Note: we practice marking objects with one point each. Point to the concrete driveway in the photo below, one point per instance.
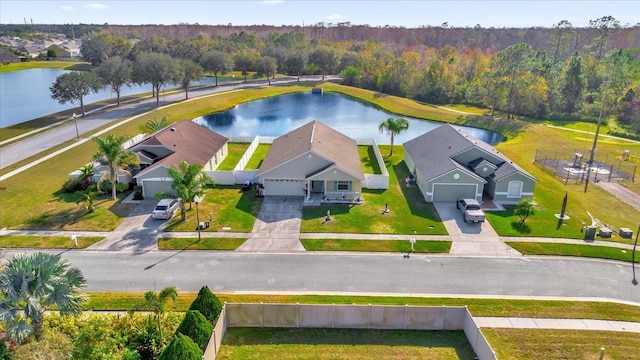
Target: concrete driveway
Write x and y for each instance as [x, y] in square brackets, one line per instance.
[469, 238]
[138, 233]
[277, 227]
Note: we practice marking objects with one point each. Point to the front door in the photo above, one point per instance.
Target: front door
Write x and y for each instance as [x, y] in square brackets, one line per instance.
[317, 186]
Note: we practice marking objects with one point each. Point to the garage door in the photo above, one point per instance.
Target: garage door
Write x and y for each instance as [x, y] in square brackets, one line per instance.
[151, 187]
[283, 187]
[453, 192]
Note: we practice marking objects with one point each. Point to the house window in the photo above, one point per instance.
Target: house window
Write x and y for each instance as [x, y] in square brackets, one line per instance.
[515, 189]
[215, 158]
[344, 185]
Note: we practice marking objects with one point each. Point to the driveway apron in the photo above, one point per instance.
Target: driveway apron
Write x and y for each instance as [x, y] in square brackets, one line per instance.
[277, 228]
[471, 239]
[138, 233]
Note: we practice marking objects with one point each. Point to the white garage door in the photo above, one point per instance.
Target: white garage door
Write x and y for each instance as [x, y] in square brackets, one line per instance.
[283, 187]
[453, 192]
[151, 187]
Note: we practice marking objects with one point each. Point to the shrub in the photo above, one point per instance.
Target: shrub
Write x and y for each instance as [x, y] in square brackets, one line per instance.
[105, 187]
[196, 326]
[73, 185]
[208, 304]
[183, 348]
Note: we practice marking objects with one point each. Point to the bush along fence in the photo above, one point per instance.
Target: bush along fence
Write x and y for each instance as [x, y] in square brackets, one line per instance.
[349, 317]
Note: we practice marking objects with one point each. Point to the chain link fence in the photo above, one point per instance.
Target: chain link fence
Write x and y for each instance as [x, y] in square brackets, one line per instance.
[573, 165]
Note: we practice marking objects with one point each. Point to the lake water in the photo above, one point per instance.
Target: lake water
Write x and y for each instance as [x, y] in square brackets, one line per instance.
[25, 95]
[359, 120]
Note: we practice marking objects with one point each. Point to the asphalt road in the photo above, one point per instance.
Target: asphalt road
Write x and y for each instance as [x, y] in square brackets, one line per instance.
[36, 144]
[357, 273]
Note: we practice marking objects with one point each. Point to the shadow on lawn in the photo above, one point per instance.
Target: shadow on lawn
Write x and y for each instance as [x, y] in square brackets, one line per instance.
[308, 336]
[413, 197]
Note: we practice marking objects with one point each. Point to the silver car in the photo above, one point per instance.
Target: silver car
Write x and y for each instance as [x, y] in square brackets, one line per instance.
[165, 209]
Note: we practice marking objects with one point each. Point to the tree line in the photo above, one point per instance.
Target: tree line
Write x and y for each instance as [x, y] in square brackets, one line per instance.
[518, 80]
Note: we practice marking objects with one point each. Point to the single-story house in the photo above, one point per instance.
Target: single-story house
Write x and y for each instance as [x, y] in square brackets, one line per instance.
[313, 159]
[181, 141]
[448, 164]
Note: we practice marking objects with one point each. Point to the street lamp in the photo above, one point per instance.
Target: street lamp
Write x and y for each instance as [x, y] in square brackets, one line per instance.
[74, 116]
[197, 200]
[595, 138]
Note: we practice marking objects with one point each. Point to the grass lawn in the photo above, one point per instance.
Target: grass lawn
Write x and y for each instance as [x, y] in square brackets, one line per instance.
[69, 65]
[550, 190]
[368, 158]
[421, 246]
[593, 251]
[258, 156]
[230, 207]
[265, 343]
[478, 307]
[548, 344]
[203, 244]
[408, 211]
[47, 242]
[235, 152]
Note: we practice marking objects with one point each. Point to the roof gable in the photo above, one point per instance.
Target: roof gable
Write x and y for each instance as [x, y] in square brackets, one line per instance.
[186, 140]
[430, 151]
[317, 138]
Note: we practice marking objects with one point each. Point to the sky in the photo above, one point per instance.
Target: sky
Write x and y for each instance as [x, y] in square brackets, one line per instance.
[399, 13]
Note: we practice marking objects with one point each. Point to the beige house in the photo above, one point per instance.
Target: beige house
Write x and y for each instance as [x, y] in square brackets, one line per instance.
[182, 141]
[313, 160]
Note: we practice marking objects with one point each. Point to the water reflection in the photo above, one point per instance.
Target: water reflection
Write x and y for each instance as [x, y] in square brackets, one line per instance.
[277, 115]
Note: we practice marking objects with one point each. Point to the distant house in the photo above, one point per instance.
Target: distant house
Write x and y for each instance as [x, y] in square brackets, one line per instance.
[313, 159]
[181, 141]
[7, 57]
[448, 164]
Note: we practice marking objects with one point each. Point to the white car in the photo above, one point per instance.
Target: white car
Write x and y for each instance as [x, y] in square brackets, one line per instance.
[165, 209]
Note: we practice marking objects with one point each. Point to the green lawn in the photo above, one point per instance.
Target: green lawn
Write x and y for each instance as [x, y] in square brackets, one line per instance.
[548, 344]
[592, 251]
[408, 211]
[549, 190]
[258, 156]
[47, 242]
[369, 161]
[421, 246]
[69, 65]
[203, 244]
[278, 343]
[235, 152]
[230, 207]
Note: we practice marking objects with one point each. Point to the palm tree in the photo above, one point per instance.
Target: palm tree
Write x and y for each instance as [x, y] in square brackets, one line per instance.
[88, 196]
[35, 283]
[112, 155]
[156, 303]
[188, 181]
[393, 127]
[155, 124]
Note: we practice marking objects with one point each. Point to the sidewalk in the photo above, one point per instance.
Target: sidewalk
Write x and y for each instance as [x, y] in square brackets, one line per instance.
[561, 324]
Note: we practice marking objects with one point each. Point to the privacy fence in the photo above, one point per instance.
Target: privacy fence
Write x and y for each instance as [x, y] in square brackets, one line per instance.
[349, 317]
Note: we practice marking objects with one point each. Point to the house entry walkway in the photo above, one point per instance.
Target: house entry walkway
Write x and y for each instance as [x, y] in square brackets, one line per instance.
[277, 227]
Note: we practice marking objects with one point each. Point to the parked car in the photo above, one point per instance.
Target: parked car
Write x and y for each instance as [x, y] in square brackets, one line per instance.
[165, 209]
[471, 210]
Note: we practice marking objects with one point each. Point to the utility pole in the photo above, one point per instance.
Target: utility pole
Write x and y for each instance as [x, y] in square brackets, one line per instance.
[595, 138]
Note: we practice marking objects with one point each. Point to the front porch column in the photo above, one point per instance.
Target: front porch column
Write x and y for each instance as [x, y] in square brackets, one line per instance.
[308, 189]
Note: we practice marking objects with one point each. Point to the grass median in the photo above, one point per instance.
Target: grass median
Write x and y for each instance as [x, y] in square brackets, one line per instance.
[403, 246]
[204, 243]
[559, 249]
[46, 242]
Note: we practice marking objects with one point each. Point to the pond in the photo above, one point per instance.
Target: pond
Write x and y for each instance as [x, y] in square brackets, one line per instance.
[359, 120]
[26, 95]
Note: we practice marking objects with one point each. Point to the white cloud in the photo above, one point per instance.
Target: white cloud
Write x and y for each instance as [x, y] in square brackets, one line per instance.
[335, 17]
[272, 2]
[66, 8]
[96, 6]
